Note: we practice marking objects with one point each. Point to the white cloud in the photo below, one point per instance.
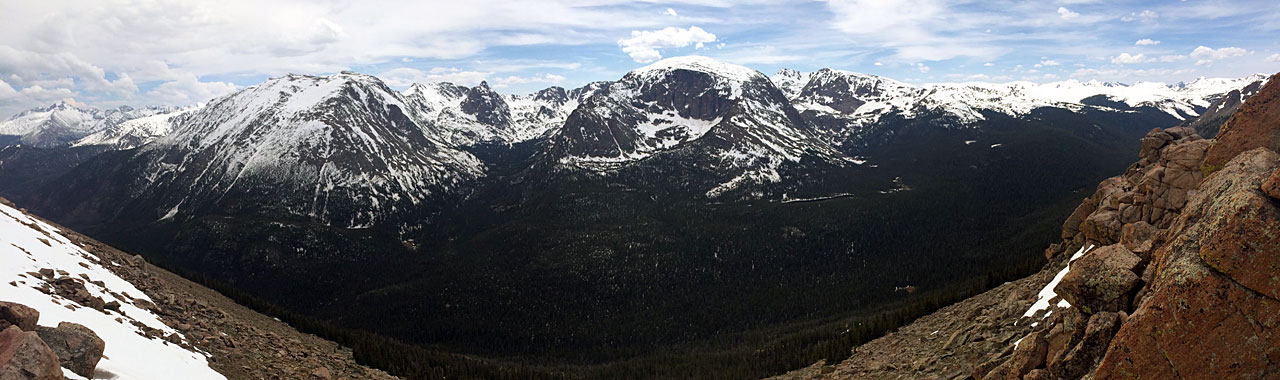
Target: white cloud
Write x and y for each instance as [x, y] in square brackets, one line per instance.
[1205, 55]
[1274, 58]
[1126, 59]
[544, 78]
[1067, 14]
[922, 67]
[1144, 16]
[988, 64]
[643, 46]
[1147, 41]
[187, 89]
[1048, 62]
[916, 30]
[879, 64]
[671, 12]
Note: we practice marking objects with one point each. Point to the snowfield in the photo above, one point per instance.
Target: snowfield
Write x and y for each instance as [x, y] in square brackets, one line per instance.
[28, 245]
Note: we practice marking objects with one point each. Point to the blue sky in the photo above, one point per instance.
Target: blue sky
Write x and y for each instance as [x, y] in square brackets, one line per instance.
[109, 53]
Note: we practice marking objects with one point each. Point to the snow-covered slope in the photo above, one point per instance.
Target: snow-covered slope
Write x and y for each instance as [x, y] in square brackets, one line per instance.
[862, 99]
[28, 245]
[343, 148]
[135, 132]
[731, 116]
[468, 116]
[65, 122]
[791, 82]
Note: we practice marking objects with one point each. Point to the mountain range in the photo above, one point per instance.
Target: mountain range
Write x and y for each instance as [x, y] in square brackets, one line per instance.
[688, 199]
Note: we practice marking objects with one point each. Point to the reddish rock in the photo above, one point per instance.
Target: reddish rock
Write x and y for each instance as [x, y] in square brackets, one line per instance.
[1271, 187]
[1101, 280]
[1211, 311]
[16, 314]
[78, 348]
[24, 356]
[1084, 356]
[1027, 356]
[1138, 237]
[1152, 142]
[1253, 125]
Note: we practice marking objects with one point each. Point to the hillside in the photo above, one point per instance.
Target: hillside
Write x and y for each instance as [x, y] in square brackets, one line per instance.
[1171, 277]
[152, 323]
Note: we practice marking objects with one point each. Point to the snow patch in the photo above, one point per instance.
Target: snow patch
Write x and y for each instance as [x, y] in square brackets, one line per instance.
[1046, 294]
[28, 245]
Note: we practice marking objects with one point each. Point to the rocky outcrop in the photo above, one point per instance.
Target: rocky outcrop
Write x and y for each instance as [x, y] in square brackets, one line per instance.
[1212, 309]
[1149, 194]
[78, 348]
[24, 356]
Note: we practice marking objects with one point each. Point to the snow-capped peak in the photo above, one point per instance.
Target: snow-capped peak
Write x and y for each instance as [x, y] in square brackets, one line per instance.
[707, 65]
[67, 121]
[790, 81]
[135, 132]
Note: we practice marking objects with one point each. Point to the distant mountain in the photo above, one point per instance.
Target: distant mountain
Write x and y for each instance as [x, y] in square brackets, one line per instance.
[135, 132]
[852, 109]
[469, 116]
[343, 149]
[728, 119]
[65, 122]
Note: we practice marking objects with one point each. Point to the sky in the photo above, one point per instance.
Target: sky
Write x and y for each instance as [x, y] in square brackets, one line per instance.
[108, 53]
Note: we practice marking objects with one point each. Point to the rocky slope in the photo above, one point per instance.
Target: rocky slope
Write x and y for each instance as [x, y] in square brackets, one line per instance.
[1172, 277]
[119, 317]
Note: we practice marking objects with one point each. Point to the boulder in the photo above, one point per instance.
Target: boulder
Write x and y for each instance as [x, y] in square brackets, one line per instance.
[1084, 356]
[1211, 309]
[1152, 142]
[1027, 356]
[1101, 280]
[1182, 132]
[16, 314]
[78, 348]
[1271, 187]
[1071, 226]
[1186, 155]
[24, 356]
[1138, 237]
[1102, 227]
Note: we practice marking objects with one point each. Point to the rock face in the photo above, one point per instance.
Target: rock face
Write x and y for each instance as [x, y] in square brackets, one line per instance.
[24, 356]
[14, 314]
[1252, 126]
[1101, 280]
[78, 347]
[1213, 307]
